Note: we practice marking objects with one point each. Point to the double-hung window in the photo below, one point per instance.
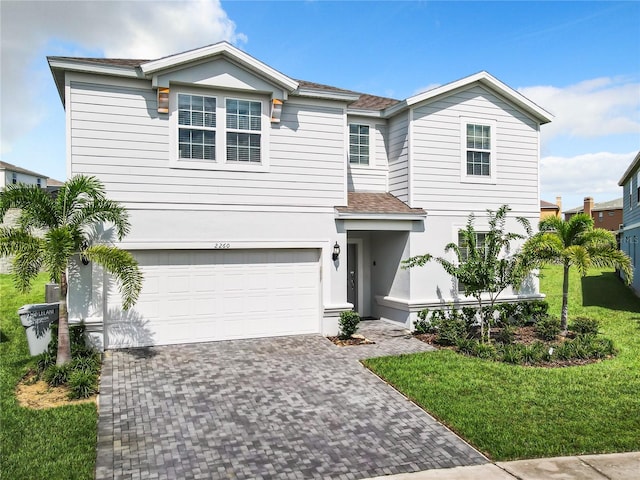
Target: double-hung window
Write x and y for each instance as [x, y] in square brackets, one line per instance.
[243, 130]
[478, 150]
[196, 127]
[358, 144]
[638, 187]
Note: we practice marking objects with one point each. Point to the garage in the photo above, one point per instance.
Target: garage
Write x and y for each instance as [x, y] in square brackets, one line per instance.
[205, 295]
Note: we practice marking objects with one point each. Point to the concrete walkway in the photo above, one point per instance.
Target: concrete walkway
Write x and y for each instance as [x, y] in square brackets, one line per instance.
[615, 466]
[287, 408]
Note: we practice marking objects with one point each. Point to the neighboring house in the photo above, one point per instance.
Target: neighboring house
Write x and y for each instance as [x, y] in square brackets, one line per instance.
[607, 215]
[630, 231]
[262, 205]
[548, 209]
[12, 174]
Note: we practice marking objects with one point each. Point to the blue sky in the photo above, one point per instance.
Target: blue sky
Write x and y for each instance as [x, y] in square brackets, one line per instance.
[578, 60]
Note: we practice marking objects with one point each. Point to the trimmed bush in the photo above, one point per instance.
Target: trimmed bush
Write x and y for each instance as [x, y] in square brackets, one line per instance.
[535, 353]
[348, 324]
[534, 310]
[506, 335]
[548, 328]
[466, 345]
[450, 330]
[512, 353]
[82, 384]
[484, 350]
[585, 326]
[422, 325]
[57, 375]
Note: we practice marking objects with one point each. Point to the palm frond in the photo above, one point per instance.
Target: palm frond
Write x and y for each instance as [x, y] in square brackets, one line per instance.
[102, 210]
[37, 208]
[76, 193]
[123, 266]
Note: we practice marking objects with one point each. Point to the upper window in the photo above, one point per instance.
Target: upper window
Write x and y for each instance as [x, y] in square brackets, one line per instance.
[39, 182]
[478, 150]
[358, 144]
[197, 127]
[14, 178]
[243, 130]
[638, 187]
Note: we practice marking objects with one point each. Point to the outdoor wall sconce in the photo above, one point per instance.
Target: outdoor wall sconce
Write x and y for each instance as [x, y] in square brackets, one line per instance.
[336, 252]
[276, 110]
[163, 100]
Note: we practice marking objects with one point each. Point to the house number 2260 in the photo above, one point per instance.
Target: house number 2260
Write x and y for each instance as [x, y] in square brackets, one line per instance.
[221, 245]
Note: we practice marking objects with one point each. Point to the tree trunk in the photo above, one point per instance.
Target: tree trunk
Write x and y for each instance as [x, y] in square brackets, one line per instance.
[565, 300]
[64, 344]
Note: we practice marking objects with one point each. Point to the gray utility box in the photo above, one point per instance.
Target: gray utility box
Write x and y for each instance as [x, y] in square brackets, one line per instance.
[37, 319]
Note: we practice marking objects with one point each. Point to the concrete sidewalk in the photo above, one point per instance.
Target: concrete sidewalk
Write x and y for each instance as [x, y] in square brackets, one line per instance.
[615, 466]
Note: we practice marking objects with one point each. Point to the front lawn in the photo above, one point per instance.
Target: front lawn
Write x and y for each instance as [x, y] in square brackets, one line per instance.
[56, 443]
[510, 412]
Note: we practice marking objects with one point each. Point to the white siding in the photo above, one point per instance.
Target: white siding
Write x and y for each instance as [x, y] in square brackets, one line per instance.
[117, 134]
[398, 156]
[436, 181]
[372, 177]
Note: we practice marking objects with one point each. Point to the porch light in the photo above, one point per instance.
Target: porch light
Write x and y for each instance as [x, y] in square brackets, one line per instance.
[276, 110]
[336, 252]
[163, 100]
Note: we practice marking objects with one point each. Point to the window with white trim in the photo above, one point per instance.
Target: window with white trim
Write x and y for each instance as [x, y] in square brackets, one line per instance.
[478, 150]
[359, 143]
[196, 127]
[14, 178]
[638, 186]
[39, 182]
[244, 127]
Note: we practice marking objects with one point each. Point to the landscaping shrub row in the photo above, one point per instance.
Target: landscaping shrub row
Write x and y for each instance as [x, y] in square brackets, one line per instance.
[459, 328]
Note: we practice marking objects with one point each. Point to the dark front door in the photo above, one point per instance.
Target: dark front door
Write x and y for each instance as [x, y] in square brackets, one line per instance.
[352, 275]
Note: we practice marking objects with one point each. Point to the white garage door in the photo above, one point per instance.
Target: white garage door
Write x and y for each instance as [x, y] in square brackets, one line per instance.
[197, 296]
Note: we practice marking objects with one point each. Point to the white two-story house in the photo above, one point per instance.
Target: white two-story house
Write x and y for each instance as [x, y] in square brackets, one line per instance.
[262, 205]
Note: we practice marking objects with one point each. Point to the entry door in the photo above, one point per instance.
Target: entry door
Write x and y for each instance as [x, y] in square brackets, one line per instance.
[352, 275]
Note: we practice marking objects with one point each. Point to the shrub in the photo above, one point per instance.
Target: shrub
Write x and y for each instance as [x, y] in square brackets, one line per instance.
[508, 313]
[422, 325]
[512, 353]
[548, 328]
[484, 350]
[57, 375]
[506, 335]
[88, 364]
[602, 347]
[470, 316]
[44, 361]
[585, 326]
[82, 384]
[348, 324]
[534, 353]
[534, 310]
[450, 330]
[466, 345]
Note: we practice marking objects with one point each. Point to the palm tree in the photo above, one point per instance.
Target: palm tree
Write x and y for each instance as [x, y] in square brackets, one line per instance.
[67, 221]
[575, 242]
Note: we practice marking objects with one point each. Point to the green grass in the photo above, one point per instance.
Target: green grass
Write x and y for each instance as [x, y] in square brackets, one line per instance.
[56, 443]
[511, 412]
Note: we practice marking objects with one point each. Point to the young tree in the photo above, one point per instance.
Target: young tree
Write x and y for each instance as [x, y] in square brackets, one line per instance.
[484, 263]
[67, 221]
[575, 242]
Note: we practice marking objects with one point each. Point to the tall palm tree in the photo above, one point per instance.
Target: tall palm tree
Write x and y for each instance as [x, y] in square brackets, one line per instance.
[575, 242]
[67, 221]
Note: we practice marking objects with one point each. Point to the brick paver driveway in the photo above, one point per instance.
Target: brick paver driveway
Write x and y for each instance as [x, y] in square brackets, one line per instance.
[291, 407]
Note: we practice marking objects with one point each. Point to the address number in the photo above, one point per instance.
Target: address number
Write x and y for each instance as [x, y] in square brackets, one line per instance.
[221, 245]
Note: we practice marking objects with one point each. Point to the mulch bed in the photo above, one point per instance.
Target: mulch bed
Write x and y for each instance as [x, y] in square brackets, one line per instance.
[354, 340]
[524, 335]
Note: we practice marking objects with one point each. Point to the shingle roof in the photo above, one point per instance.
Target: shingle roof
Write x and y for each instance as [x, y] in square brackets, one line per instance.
[14, 168]
[548, 205]
[370, 202]
[365, 102]
[610, 205]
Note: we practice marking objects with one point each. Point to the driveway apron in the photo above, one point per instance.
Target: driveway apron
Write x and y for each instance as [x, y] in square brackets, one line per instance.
[290, 407]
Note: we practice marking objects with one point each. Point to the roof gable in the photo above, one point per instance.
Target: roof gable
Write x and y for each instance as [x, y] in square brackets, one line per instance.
[630, 170]
[483, 79]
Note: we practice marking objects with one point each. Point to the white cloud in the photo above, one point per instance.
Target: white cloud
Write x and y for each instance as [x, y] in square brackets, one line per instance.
[594, 174]
[589, 109]
[127, 29]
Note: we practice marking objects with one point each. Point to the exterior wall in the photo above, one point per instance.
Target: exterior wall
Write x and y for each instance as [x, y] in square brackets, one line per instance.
[630, 235]
[610, 219]
[372, 177]
[546, 213]
[117, 135]
[399, 156]
[629, 244]
[436, 182]
[7, 179]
